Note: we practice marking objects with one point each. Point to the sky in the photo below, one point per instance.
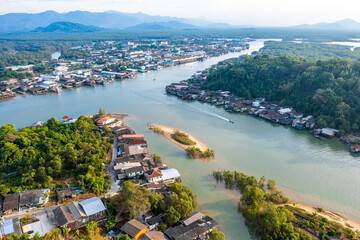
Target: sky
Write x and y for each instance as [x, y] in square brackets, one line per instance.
[240, 12]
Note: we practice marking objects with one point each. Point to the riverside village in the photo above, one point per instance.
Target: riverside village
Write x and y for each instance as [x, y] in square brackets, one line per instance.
[130, 166]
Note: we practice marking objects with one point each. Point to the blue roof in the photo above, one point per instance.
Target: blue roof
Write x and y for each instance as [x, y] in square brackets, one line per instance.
[8, 227]
[92, 206]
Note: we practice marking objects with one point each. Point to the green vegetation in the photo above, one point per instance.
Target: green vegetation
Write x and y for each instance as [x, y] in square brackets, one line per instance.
[308, 51]
[182, 204]
[197, 153]
[182, 138]
[7, 74]
[268, 220]
[326, 89]
[133, 199]
[216, 235]
[33, 157]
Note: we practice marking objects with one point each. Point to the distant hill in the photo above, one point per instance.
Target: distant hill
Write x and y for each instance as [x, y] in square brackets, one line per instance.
[67, 27]
[24, 22]
[170, 25]
[346, 24]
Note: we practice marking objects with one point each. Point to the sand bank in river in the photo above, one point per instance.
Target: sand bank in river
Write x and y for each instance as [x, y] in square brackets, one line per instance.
[167, 131]
[329, 215]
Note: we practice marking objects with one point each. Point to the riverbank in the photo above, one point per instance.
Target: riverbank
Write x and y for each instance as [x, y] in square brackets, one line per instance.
[167, 132]
[347, 223]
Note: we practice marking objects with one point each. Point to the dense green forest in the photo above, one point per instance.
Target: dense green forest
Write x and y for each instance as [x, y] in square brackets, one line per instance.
[327, 89]
[38, 157]
[268, 219]
[313, 51]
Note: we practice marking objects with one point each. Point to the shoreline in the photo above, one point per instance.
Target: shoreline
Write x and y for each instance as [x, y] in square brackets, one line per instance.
[332, 216]
[167, 131]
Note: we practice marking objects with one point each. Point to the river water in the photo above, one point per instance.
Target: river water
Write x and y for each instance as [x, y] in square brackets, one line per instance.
[310, 171]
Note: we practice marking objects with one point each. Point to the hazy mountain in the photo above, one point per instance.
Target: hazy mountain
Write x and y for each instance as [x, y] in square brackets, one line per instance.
[346, 24]
[170, 25]
[67, 27]
[20, 22]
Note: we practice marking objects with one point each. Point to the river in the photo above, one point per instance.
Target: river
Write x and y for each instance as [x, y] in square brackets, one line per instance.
[310, 171]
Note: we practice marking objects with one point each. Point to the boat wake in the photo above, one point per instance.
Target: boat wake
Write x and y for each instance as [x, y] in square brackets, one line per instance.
[191, 109]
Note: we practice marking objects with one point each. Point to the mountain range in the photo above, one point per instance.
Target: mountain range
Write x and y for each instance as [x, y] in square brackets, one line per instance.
[24, 22]
[84, 21]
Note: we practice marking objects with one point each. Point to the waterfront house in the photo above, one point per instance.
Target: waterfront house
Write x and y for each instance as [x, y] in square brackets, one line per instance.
[355, 148]
[65, 194]
[134, 229]
[197, 229]
[329, 132]
[154, 175]
[171, 174]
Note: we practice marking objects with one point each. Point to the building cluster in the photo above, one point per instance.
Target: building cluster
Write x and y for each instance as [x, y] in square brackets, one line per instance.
[134, 163]
[24, 200]
[71, 216]
[192, 90]
[102, 62]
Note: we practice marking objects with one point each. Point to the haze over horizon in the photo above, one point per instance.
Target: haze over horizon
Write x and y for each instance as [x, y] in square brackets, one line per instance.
[256, 12]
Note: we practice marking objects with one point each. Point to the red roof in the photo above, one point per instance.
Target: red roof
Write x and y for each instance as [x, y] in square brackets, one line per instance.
[138, 142]
[156, 173]
[133, 136]
[66, 117]
[356, 146]
[102, 120]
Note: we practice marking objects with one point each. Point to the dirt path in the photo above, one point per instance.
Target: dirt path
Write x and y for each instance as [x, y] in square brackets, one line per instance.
[167, 134]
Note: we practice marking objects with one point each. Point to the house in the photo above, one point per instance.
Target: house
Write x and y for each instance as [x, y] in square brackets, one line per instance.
[63, 216]
[283, 111]
[329, 132]
[64, 194]
[11, 203]
[105, 120]
[153, 235]
[34, 197]
[310, 123]
[154, 222]
[170, 174]
[134, 228]
[154, 175]
[94, 208]
[136, 149]
[192, 218]
[355, 148]
[197, 229]
[78, 214]
[133, 172]
[11, 227]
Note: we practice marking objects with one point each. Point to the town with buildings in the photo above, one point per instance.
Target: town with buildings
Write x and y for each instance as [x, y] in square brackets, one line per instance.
[100, 63]
[192, 89]
[40, 211]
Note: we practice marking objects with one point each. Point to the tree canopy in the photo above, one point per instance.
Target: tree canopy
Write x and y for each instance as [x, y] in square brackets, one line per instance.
[34, 157]
[326, 89]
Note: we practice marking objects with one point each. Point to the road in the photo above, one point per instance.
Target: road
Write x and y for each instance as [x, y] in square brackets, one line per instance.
[114, 185]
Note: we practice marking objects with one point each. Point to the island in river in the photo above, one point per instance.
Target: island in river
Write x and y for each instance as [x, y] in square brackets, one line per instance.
[191, 145]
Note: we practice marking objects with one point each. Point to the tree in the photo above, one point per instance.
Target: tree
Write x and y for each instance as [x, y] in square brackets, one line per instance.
[216, 235]
[157, 203]
[123, 237]
[271, 184]
[133, 200]
[172, 216]
[4, 190]
[55, 234]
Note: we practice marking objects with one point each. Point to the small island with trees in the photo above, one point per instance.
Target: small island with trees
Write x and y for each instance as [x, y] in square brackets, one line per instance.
[191, 145]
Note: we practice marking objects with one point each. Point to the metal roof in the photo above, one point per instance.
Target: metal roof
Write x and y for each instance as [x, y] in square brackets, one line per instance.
[92, 206]
[170, 174]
